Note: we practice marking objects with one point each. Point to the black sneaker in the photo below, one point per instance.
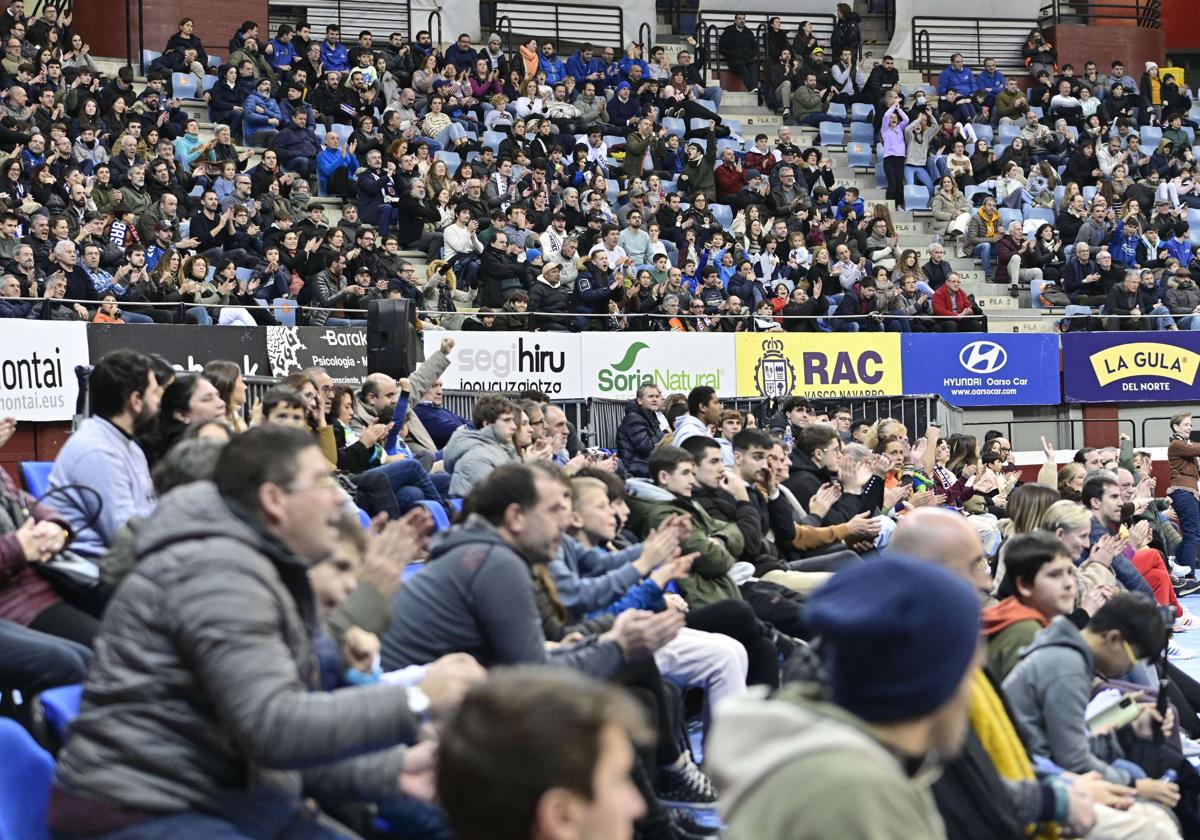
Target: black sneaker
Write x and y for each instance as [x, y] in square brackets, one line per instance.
[685, 786]
[1187, 587]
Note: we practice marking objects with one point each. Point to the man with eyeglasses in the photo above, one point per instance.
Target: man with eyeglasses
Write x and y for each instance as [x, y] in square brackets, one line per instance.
[816, 478]
[1050, 687]
[215, 627]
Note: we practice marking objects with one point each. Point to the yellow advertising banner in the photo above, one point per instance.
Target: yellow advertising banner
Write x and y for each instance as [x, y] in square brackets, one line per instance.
[819, 365]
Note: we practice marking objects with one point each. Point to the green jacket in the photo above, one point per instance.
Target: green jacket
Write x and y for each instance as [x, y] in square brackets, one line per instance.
[794, 768]
[709, 581]
[1004, 648]
[806, 101]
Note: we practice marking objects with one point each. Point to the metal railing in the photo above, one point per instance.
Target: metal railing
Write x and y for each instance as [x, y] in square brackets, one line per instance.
[380, 16]
[1068, 422]
[712, 23]
[935, 39]
[1144, 14]
[567, 25]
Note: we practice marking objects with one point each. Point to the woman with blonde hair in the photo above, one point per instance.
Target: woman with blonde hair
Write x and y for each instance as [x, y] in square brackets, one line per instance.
[226, 377]
[884, 428]
[1027, 505]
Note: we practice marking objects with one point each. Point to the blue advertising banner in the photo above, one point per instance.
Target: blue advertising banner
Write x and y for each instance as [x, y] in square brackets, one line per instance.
[1131, 366]
[983, 369]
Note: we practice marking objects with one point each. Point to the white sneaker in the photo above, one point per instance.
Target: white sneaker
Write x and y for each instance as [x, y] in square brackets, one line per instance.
[1176, 652]
[1190, 748]
[1178, 570]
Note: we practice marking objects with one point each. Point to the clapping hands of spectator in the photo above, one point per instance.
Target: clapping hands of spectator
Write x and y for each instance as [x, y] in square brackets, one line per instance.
[1139, 535]
[39, 541]
[8, 428]
[924, 498]
[825, 498]
[677, 568]
[1106, 548]
[543, 450]
[660, 546]
[374, 433]
[863, 527]
[1103, 792]
[1096, 598]
[639, 633]
[896, 495]
[392, 545]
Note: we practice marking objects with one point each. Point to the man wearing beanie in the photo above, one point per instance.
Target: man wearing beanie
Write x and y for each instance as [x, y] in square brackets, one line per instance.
[900, 640]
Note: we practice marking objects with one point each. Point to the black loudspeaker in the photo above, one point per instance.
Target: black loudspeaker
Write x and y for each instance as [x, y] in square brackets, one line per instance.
[392, 337]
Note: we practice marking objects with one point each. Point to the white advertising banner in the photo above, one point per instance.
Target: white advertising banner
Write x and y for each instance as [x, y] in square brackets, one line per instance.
[511, 361]
[614, 364]
[37, 369]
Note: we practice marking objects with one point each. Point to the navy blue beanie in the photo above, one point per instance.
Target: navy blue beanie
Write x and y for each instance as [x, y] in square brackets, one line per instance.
[899, 634]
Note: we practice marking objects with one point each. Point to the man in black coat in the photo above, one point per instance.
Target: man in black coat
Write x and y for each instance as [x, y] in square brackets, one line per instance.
[413, 212]
[500, 273]
[640, 430]
[739, 47]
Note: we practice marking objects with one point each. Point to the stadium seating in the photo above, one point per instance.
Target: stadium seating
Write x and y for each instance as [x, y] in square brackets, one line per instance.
[25, 774]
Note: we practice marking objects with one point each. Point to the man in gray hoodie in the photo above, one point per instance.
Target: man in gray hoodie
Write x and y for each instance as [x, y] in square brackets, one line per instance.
[1051, 685]
[471, 454]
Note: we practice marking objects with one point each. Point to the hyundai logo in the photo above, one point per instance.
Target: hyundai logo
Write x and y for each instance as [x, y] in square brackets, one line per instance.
[983, 357]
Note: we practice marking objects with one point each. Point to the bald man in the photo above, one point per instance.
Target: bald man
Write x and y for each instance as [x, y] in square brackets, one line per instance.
[374, 402]
[947, 539]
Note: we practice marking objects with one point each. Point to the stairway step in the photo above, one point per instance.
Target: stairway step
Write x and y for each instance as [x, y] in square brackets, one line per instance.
[1035, 323]
[747, 117]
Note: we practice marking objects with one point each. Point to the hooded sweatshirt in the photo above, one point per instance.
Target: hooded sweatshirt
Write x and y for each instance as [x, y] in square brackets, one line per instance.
[473, 453]
[796, 769]
[1009, 627]
[1049, 692]
[689, 426]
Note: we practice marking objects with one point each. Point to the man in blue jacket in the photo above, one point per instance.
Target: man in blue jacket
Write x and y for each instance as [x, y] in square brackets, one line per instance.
[583, 65]
[990, 81]
[461, 54]
[553, 66]
[957, 76]
[438, 420]
[333, 53]
[640, 430]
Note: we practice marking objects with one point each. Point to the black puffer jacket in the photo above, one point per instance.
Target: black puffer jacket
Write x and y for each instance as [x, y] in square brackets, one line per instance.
[549, 297]
[203, 684]
[637, 436]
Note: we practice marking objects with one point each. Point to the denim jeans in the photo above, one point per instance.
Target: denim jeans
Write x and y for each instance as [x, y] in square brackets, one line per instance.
[136, 318]
[34, 661]
[1188, 511]
[917, 174]
[409, 482]
[197, 315]
[984, 251]
[345, 322]
[1161, 318]
[901, 325]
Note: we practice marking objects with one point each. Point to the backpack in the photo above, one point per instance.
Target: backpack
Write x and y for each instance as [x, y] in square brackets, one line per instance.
[1054, 296]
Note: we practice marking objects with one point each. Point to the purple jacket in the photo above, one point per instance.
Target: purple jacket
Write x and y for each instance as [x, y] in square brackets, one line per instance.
[893, 136]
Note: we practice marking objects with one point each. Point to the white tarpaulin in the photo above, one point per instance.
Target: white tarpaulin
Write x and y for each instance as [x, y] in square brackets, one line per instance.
[37, 369]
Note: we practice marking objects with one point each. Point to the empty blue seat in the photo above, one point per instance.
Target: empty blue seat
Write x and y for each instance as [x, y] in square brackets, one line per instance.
[214, 61]
[1038, 112]
[861, 111]
[707, 103]
[284, 310]
[25, 775]
[1151, 137]
[728, 143]
[61, 706]
[441, 521]
[148, 56]
[858, 155]
[1193, 217]
[830, 134]
[1042, 214]
[675, 126]
[209, 81]
[493, 139]
[1060, 192]
[971, 189]
[611, 140]
[244, 273]
[983, 131]
[723, 213]
[880, 176]
[1008, 132]
[836, 110]
[37, 476]
[1088, 193]
[698, 124]
[1008, 215]
[184, 85]
[453, 160]
[862, 132]
[916, 197]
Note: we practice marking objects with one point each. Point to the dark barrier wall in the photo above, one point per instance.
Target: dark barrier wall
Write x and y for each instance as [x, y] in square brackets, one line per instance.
[104, 24]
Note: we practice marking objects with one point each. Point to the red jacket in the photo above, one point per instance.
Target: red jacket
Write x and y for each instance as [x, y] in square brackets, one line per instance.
[730, 180]
[759, 161]
[946, 303]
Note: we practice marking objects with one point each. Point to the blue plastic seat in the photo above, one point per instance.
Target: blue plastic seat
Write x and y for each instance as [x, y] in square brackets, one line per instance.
[880, 176]
[214, 61]
[441, 521]
[861, 111]
[723, 213]
[970, 190]
[342, 131]
[1151, 137]
[676, 126]
[837, 110]
[61, 706]
[25, 775]
[411, 570]
[1088, 193]
[707, 103]
[1042, 214]
[1008, 215]
[698, 124]
[148, 57]
[831, 134]
[1008, 132]
[1038, 112]
[493, 139]
[37, 476]
[983, 131]
[862, 132]
[456, 503]
[453, 160]
[184, 86]
[858, 155]
[284, 310]
[916, 197]
[208, 83]
[364, 518]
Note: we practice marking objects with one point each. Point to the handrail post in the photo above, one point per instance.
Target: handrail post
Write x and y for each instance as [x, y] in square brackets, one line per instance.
[128, 37]
[142, 36]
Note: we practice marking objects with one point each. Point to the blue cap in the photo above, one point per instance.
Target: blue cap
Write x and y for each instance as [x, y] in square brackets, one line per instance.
[899, 634]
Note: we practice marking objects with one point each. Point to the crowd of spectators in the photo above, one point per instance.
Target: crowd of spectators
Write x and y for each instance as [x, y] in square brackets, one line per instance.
[714, 552]
[597, 191]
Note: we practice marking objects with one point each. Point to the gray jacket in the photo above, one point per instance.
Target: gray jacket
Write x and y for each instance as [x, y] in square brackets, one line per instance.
[330, 293]
[473, 453]
[1049, 692]
[203, 686]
